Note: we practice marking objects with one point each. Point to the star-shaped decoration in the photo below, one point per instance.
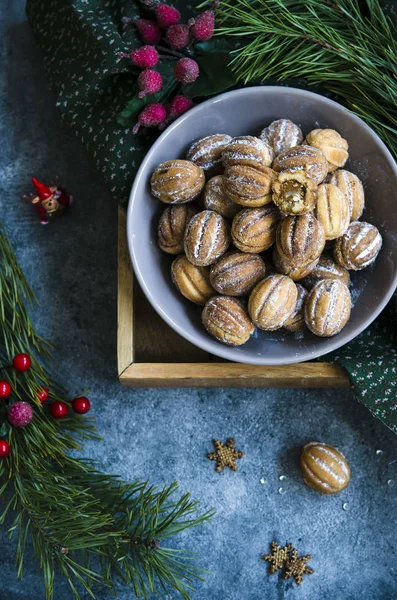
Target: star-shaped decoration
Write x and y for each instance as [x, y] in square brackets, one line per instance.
[278, 557]
[296, 566]
[225, 455]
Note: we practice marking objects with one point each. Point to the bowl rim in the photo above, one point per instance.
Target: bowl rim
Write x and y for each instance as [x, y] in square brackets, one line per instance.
[213, 346]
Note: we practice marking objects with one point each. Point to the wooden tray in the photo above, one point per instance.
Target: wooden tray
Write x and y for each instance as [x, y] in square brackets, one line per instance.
[151, 354]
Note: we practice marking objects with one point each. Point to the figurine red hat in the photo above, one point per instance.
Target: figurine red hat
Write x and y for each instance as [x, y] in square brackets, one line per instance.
[43, 191]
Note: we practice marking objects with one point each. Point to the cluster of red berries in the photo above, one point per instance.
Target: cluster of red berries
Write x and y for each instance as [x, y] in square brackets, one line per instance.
[20, 413]
[178, 36]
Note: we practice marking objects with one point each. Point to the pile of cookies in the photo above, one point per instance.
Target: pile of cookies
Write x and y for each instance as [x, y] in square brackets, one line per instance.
[249, 217]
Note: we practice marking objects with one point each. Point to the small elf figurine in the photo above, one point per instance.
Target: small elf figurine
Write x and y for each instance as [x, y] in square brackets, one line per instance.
[51, 201]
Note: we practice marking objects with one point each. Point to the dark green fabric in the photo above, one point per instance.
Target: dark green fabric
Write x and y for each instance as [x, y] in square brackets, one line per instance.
[80, 40]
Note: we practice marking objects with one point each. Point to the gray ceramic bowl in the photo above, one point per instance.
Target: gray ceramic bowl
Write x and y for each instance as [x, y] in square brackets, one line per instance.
[248, 111]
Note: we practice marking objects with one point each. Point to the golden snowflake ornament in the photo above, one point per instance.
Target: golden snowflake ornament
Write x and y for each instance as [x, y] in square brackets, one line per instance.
[225, 455]
[278, 557]
[296, 566]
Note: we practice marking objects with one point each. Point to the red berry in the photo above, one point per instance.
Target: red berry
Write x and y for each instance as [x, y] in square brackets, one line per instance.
[42, 394]
[178, 105]
[4, 448]
[167, 16]
[22, 362]
[202, 27]
[144, 57]
[152, 116]
[20, 414]
[186, 70]
[81, 405]
[5, 389]
[148, 31]
[149, 82]
[177, 36]
[59, 409]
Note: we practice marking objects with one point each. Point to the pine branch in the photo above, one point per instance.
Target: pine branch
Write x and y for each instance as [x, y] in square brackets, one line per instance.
[92, 527]
[350, 50]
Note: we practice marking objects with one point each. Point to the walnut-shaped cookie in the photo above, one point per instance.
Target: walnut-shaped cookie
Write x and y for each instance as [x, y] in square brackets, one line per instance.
[192, 281]
[324, 468]
[207, 153]
[248, 150]
[296, 322]
[216, 199]
[359, 247]
[236, 273]
[327, 307]
[248, 186]
[294, 192]
[227, 321]
[172, 226]
[207, 237]
[272, 302]
[332, 210]
[254, 229]
[326, 268]
[332, 145]
[351, 186]
[300, 240]
[177, 181]
[296, 273]
[282, 135]
[303, 158]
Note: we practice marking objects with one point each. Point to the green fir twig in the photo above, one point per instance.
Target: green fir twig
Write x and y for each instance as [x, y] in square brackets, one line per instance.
[91, 527]
[348, 47]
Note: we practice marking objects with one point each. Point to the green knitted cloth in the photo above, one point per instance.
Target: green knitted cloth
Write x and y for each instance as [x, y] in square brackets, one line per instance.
[95, 90]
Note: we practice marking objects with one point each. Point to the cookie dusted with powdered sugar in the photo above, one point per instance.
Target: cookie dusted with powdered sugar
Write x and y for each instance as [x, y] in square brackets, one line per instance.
[300, 240]
[248, 186]
[177, 181]
[254, 229]
[207, 237]
[207, 153]
[236, 273]
[326, 268]
[272, 302]
[303, 158]
[192, 281]
[351, 186]
[216, 199]
[327, 307]
[296, 322]
[226, 320]
[332, 145]
[172, 226]
[282, 135]
[248, 150]
[359, 247]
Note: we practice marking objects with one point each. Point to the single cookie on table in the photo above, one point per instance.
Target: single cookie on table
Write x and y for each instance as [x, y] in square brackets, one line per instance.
[351, 186]
[236, 273]
[216, 199]
[300, 240]
[272, 302]
[207, 237]
[324, 468]
[332, 210]
[226, 320]
[327, 307]
[303, 158]
[282, 135]
[249, 151]
[296, 322]
[192, 281]
[177, 181]
[295, 273]
[248, 186]
[359, 247]
[332, 145]
[172, 226]
[207, 152]
[294, 192]
[326, 268]
[254, 229]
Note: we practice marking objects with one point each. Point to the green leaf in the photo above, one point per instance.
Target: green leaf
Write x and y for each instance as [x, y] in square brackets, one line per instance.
[215, 75]
[4, 429]
[129, 115]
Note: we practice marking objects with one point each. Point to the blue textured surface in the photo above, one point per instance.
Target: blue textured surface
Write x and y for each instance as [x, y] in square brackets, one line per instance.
[71, 265]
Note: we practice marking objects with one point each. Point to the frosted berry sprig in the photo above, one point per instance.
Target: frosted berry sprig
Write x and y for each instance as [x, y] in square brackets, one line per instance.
[165, 37]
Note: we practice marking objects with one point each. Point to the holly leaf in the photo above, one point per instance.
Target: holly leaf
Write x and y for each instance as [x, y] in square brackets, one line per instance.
[215, 75]
[4, 429]
[129, 115]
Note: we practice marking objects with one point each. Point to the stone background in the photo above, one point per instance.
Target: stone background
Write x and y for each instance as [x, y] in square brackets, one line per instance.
[72, 267]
